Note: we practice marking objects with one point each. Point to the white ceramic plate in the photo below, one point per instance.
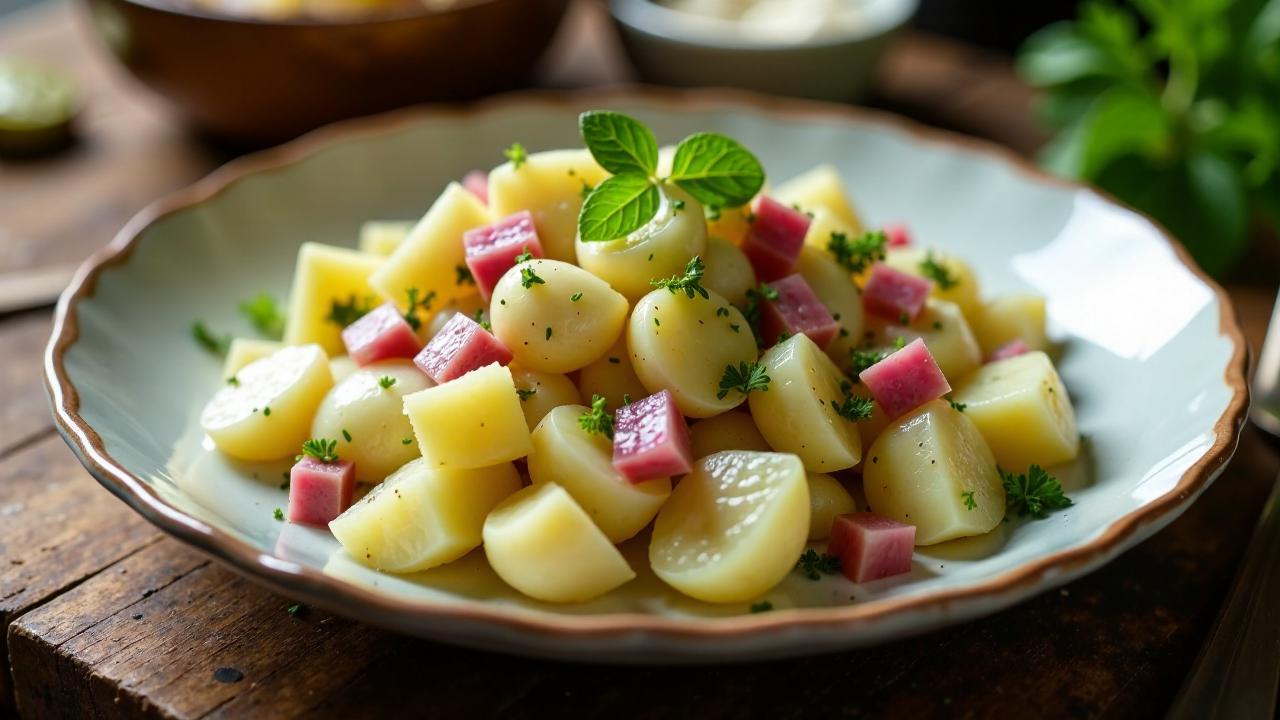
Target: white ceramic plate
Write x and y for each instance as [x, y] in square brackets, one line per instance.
[1149, 347]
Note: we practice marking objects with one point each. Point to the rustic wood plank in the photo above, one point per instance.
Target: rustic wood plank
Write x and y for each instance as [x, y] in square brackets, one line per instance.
[24, 407]
[60, 527]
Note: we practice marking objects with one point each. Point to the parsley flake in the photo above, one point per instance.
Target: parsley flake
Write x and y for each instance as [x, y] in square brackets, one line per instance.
[969, 502]
[854, 408]
[386, 381]
[549, 332]
[745, 378]
[344, 312]
[529, 278]
[857, 254]
[690, 282]
[479, 318]
[957, 406]
[814, 565]
[863, 359]
[406, 441]
[265, 316]
[575, 297]
[526, 393]
[346, 435]
[937, 272]
[326, 451]
[524, 256]
[762, 606]
[411, 315]
[233, 381]
[516, 154]
[1035, 493]
[464, 275]
[208, 340]
[278, 514]
[597, 419]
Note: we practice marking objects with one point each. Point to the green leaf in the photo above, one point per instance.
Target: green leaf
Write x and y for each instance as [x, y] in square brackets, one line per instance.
[619, 143]
[1124, 122]
[1059, 54]
[716, 170]
[617, 207]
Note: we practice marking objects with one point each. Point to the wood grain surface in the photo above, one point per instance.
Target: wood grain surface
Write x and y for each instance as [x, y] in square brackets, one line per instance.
[100, 616]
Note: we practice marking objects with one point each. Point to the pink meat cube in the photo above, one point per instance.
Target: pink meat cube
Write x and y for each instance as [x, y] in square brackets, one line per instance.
[1013, 348]
[797, 310]
[774, 241]
[460, 347]
[651, 439]
[893, 294]
[897, 235]
[381, 334]
[477, 181]
[319, 491]
[871, 547]
[492, 250]
[905, 380]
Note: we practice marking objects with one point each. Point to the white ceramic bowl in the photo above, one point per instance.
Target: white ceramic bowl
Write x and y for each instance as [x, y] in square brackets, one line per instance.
[1149, 347]
[670, 47]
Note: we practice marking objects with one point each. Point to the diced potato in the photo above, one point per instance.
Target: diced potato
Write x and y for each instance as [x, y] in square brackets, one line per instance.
[549, 185]
[932, 469]
[797, 414]
[324, 275]
[1009, 318]
[244, 351]
[683, 344]
[266, 413]
[660, 249]
[833, 286]
[545, 327]
[431, 257]
[826, 223]
[964, 292]
[821, 187]
[1022, 408]
[734, 526]
[540, 542]
[947, 335]
[359, 408]
[827, 499]
[382, 237]
[473, 421]
[734, 430]
[542, 392]
[728, 272]
[421, 517]
[612, 377]
[729, 224]
[582, 463]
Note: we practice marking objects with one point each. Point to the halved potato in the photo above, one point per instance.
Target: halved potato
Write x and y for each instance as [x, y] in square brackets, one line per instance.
[421, 516]
[372, 416]
[469, 422]
[734, 527]
[827, 499]
[612, 377]
[540, 542]
[734, 430]
[266, 413]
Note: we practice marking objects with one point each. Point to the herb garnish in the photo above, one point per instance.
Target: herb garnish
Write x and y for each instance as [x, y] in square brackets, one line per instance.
[386, 381]
[937, 272]
[263, 313]
[856, 254]
[516, 154]
[1035, 493]
[346, 435]
[479, 318]
[464, 275]
[969, 502]
[863, 359]
[208, 340]
[524, 256]
[411, 315]
[762, 606]
[278, 514]
[526, 393]
[755, 296]
[326, 451]
[344, 312]
[854, 408]
[406, 441]
[957, 406]
[815, 565]
[575, 297]
[529, 278]
[233, 381]
[744, 378]
[714, 169]
[690, 282]
[597, 419]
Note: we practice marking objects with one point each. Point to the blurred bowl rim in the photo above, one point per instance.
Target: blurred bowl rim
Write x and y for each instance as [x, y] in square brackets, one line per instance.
[676, 26]
[183, 8]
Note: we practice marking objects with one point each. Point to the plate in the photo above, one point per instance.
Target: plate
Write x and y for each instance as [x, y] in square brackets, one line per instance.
[1148, 345]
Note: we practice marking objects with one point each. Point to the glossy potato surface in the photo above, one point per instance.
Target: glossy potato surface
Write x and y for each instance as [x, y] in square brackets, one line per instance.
[540, 542]
[683, 344]
[543, 392]
[266, 414]
[323, 275]
[827, 499]
[373, 417]
[550, 186]
[421, 517]
[734, 527]
[582, 463]
[545, 327]
[469, 422]
[734, 430]
[729, 272]
[1009, 318]
[611, 377]
[797, 413]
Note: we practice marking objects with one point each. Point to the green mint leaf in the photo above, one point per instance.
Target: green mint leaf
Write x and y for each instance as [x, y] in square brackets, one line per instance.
[617, 207]
[619, 143]
[716, 170]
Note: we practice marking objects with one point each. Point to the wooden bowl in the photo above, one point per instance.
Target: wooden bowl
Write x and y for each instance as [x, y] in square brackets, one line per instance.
[259, 82]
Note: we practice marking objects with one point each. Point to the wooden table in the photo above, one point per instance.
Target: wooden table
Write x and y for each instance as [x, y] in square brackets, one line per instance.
[103, 616]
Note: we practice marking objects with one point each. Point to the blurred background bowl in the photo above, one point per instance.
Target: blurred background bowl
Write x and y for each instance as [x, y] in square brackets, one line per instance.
[672, 47]
[260, 81]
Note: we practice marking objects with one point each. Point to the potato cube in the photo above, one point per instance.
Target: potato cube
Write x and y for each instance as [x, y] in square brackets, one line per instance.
[473, 421]
[1021, 407]
[1013, 317]
[382, 237]
[821, 187]
[326, 275]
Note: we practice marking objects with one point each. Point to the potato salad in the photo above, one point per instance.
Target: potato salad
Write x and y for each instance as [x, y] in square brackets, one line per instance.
[631, 343]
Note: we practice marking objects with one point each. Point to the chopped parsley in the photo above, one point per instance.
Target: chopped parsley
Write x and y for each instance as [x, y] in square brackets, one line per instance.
[344, 312]
[406, 441]
[575, 297]
[854, 408]
[326, 451]
[863, 359]
[411, 315]
[762, 606]
[755, 296]
[814, 565]
[722, 312]
[690, 282]
[233, 381]
[969, 502]
[526, 393]
[386, 381]
[937, 272]
[479, 318]
[677, 206]
[464, 275]
[856, 254]
[597, 419]
[346, 435]
[549, 331]
[208, 340]
[516, 154]
[529, 278]
[524, 256]
[278, 514]
[745, 378]
[899, 342]
[1035, 493]
[266, 411]
[265, 316]
[957, 406]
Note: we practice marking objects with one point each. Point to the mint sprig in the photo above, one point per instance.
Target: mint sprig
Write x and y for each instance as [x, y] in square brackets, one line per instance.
[714, 169]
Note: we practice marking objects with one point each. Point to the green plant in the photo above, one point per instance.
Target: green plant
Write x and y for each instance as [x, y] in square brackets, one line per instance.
[1174, 107]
